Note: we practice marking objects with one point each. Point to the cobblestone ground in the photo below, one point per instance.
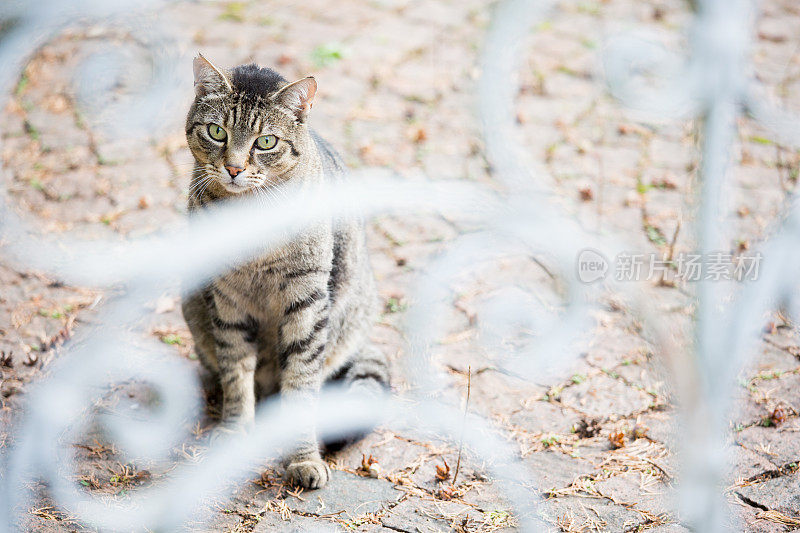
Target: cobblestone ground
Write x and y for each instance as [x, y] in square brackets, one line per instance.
[397, 90]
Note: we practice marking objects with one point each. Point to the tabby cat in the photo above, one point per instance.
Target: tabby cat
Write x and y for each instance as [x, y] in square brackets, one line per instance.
[299, 316]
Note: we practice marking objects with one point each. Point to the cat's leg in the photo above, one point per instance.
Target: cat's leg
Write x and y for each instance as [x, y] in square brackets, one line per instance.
[268, 374]
[302, 338]
[235, 334]
[197, 310]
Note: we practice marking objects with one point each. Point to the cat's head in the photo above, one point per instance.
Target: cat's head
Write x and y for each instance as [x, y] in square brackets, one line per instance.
[247, 126]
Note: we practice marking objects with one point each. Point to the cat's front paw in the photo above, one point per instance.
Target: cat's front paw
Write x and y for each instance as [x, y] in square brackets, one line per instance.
[309, 474]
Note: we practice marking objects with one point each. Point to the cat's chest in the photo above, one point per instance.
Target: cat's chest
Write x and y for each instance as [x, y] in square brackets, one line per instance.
[255, 286]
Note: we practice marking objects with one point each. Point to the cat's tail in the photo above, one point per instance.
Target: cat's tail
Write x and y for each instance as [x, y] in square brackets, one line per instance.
[368, 374]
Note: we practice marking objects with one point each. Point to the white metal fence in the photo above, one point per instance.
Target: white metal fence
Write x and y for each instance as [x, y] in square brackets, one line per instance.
[713, 84]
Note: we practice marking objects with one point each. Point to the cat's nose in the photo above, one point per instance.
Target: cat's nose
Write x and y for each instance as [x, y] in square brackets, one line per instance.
[233, 171]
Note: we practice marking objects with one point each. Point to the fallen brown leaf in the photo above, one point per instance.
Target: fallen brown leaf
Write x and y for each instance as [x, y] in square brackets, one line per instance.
[443, 473]
[366, 462]
[417, 134]
[446, 493]
[778, 416]
[617, 439]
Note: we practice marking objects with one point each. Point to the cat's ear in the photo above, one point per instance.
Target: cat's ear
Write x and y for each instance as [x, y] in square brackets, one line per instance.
[298, 96]
[208, 78]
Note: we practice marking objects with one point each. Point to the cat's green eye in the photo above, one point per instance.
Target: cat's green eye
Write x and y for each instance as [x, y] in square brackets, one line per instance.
[216, 132]
[266, 142]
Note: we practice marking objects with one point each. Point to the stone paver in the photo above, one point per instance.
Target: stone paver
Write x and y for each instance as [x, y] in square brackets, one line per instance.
[644, 491]
[573, 513]
[398, 95]
[603, 396]
[295, 524]
[779, 494]
[555, 470]
[348, 493]
[779, 445]
[417, 515]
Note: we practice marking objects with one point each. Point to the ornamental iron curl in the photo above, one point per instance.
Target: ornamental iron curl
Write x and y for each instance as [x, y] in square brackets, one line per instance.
[712, 83]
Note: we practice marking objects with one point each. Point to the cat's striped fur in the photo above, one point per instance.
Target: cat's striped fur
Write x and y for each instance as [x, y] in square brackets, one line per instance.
[299, 316]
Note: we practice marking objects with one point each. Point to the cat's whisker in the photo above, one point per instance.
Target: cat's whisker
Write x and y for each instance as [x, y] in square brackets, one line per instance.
[199, 173]
[262, 199]
[267, 194]
[277, 190]
[202, 185]
[198, 183]
[273, 190]
[203, 190]
[260, 193]
[195, 186]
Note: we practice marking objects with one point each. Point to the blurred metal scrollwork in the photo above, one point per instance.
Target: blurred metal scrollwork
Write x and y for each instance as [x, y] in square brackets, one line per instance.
[712, 83]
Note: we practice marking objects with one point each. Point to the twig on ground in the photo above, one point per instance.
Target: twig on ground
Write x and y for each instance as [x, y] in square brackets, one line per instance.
[463, 425]
[663, 281]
